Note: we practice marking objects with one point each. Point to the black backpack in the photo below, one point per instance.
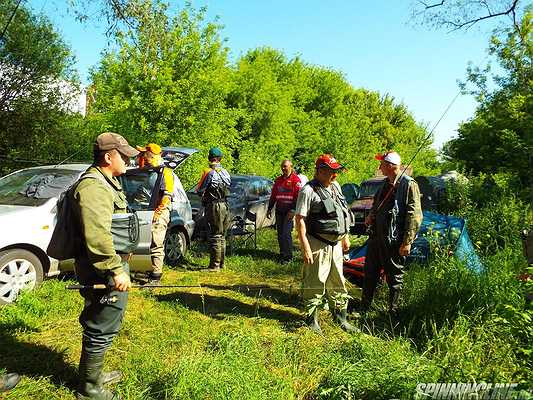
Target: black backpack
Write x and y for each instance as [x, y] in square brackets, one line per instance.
[66, 241]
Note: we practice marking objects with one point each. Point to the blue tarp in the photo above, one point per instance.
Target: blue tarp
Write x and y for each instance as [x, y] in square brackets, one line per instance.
[446, 230]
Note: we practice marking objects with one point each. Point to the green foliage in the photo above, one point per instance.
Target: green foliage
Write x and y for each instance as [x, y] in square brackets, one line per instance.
[498, 138]
[166, 83]
[495, 215]
[35, 64]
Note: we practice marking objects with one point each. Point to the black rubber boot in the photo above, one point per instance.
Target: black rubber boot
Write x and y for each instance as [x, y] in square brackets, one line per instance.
[154, 279]
[394, 301]
[91, 379]
[9, 381]
[340, 318]
[312, 322]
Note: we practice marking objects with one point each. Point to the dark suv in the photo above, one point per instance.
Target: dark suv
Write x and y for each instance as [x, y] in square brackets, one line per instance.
[363, 203]
[246, 193]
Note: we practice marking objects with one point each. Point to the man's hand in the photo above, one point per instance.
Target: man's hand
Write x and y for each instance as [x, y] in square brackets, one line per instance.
[308, 256]
[269, 214]
[122, 282]
[290, 215]
[346, 244]
[157, 214]
[369, 220]
[405, 249]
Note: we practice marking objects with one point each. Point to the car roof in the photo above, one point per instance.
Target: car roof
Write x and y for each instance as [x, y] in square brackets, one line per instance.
[242, 176]
[374, 179]
[71, 167]
[184, 150]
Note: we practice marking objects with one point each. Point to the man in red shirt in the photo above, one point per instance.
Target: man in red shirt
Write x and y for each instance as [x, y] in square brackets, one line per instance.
[284, 196]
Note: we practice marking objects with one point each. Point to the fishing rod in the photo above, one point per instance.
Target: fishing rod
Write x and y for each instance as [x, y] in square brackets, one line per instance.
[111, 299]
[102, 286]
[422, 144]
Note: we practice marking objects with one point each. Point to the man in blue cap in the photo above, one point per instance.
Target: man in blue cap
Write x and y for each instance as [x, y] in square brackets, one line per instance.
[213, 187]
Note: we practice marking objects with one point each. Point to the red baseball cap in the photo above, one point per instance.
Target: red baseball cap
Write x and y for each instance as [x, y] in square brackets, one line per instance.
[327, 160]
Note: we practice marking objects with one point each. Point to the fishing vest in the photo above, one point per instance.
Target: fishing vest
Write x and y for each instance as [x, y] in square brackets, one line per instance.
[331, 217]
[398, 211]
[216, 191]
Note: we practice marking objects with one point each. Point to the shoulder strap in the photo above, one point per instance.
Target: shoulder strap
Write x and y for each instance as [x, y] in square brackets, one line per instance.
[99, 176]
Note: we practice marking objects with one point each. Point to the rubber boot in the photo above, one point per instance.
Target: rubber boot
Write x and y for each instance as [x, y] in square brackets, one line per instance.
[312, 322]
[154, 279]
[216, 253]
[340, 318]
[91, 379]
[9, 381]
[394, 302]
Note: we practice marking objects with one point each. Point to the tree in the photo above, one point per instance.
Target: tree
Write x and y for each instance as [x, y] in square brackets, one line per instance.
[35, 65]
[167, 82]
[464, 14]
[499, 138]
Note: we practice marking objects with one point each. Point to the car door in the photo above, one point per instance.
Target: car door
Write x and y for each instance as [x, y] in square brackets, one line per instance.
[258, 195]
[139, 185]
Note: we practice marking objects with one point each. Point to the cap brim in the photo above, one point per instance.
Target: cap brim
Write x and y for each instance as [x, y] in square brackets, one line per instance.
[127, 151]
[334, 167]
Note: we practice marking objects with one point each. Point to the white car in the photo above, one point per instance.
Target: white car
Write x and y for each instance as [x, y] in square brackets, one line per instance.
[28, 200]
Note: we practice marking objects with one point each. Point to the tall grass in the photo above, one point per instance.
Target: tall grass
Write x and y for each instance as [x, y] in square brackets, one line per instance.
[221, 342]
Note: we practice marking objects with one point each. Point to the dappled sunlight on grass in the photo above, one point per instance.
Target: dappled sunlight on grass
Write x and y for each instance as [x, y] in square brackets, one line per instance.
[239, 334]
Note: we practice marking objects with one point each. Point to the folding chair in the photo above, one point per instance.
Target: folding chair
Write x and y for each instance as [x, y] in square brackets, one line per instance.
[243, 231]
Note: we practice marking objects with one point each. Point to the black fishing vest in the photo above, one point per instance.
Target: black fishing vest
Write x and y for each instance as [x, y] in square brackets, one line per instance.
[332, 216]
[215, 192]
[396, 223]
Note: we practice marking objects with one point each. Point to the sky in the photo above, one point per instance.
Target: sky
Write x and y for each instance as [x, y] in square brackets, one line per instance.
[373, 43]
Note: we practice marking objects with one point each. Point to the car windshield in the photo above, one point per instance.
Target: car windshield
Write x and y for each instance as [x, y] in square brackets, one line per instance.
[33, 187]
[369, 189]
[138, 186]
[238, 186]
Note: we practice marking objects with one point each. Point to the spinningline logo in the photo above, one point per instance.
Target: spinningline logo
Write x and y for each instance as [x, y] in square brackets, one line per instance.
[469, 391]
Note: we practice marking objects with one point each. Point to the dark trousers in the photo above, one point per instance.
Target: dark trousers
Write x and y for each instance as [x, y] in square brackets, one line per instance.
[101, 321]
[284, 227]
[218, 220]
[380, 254]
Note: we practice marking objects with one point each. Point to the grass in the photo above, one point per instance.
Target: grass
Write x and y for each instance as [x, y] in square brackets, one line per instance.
[216, 341]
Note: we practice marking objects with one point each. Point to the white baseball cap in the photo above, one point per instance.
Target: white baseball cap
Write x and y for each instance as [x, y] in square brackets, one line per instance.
[390, 156]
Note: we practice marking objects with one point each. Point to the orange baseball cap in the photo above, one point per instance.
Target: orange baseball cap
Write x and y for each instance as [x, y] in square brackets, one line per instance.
[151, 147]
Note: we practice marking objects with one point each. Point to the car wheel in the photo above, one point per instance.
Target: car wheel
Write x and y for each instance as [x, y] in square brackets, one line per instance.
[175, 247]
[19, 270]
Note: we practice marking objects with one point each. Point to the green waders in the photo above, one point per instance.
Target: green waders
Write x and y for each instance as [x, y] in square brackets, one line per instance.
[218, 218]
[101, 321]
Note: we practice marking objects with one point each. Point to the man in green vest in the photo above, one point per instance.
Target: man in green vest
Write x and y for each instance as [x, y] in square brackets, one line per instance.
[98, 195]
[323, 223]
[394, 221]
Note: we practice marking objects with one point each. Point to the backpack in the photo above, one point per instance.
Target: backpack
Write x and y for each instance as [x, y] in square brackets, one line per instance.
[67, 242]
